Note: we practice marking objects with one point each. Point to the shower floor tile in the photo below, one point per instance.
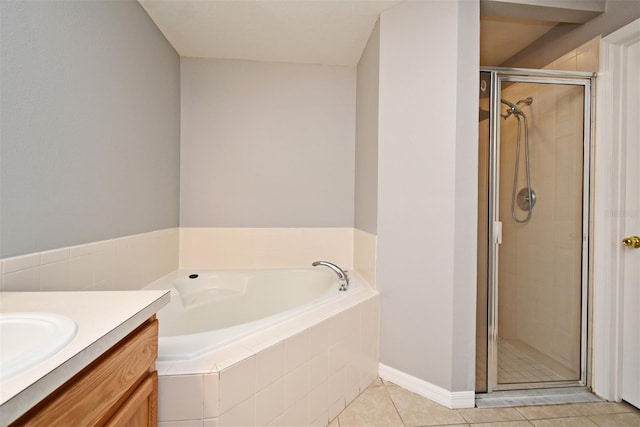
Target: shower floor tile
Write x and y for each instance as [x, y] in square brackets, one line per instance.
[516, 366]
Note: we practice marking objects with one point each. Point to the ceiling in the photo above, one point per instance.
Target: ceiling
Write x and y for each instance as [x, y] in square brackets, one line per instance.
[331, 32]
[503, 37]
[300, 31]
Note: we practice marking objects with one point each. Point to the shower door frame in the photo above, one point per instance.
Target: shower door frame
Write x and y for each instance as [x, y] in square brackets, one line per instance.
[518, 75]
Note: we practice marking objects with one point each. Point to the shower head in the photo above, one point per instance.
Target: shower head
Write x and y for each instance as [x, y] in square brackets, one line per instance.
[513, 108]
[527, 101]
[510, 104]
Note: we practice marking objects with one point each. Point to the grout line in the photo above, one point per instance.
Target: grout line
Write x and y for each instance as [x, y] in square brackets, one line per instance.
[528, 421]
[393, 403]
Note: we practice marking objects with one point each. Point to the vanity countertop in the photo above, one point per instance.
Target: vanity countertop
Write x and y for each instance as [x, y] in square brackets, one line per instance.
[102, 318]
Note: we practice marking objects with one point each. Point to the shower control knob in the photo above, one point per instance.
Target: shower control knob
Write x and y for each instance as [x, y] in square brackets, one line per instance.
[632, 241]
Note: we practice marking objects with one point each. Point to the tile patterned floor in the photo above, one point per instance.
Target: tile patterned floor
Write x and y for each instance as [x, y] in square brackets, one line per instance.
[385, 404]
[515, 366]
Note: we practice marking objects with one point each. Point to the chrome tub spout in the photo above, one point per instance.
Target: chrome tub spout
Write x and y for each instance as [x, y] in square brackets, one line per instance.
[342, 275]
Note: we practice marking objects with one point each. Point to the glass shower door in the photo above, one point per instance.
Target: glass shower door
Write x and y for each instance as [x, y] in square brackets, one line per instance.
[533, 203]
[540, 207]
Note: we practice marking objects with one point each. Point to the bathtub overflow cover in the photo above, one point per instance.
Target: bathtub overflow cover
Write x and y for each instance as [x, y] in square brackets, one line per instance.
[193, 276]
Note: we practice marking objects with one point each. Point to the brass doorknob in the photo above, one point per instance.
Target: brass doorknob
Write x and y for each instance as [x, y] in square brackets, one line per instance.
[632, 241]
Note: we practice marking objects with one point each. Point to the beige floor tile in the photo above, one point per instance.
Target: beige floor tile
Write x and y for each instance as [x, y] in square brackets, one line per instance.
[617, 420]
[372, 408]
[564, 422]
[485, 415]
[547, 411]
[598, 408]
[504, 424]
[377, 383]
[415, 410]
[334, 423]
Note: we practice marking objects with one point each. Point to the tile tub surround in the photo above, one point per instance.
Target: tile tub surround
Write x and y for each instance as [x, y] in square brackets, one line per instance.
[132, 262]
[241, 248]
[303, 371]
[125, 263]
[364, 254]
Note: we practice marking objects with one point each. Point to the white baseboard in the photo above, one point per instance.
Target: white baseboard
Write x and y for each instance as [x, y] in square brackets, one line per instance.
[450, 399]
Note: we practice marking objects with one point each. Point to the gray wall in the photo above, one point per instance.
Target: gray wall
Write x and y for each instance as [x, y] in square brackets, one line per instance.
[366, 184]
[427, 176]
[90, 124]
[466, 198]
[566, 37]
[266, 144]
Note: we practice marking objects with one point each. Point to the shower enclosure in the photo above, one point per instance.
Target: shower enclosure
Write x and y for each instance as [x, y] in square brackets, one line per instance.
[533, 222]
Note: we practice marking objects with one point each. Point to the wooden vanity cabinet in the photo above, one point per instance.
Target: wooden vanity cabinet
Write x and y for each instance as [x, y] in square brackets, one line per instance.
[120, 388]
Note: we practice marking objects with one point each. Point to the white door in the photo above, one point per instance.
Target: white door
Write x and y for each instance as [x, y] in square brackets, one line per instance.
[616, 290]
[631, 227]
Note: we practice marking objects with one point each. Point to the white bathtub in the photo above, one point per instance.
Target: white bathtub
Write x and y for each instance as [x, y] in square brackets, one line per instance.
[238, 341]
[211, 308]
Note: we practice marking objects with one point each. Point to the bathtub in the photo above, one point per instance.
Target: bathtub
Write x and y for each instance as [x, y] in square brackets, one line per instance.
[209, 309]
[238, 342]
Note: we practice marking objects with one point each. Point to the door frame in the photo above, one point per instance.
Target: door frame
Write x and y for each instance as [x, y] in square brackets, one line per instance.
[518, 75]
[609, 213]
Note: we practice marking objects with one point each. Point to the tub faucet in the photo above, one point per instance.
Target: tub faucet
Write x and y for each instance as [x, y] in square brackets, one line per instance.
[342, 275]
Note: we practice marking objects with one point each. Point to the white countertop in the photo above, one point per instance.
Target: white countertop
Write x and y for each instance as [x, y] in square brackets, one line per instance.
[103, 319]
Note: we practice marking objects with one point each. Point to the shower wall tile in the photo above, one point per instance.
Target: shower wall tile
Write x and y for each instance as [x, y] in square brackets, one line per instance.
[587, 58]
[583, 58]
[125, 263]
[567, 62]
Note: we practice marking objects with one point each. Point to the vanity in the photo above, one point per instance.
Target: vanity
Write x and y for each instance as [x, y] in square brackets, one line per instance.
[92, 361]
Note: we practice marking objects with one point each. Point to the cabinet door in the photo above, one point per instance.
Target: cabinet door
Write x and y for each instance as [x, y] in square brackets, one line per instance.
[93, 395]
[141, 409]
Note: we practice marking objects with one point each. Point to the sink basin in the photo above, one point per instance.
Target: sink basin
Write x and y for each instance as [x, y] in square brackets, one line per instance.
[27, 338]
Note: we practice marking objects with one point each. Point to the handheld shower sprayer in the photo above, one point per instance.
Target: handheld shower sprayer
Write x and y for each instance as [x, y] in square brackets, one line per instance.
[514, 108]
[526, 197]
